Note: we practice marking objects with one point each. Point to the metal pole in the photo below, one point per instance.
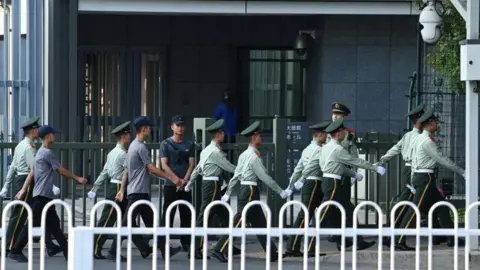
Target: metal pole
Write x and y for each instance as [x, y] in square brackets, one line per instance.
[471, 161]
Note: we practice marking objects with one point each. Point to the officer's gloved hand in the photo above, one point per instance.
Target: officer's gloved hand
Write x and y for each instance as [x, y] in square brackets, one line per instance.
[55, 190]
[3, 192]
[358, 177]
[91, 195]
[187, 188]
[380, 170]
[225, 198]
[412, 189]
[284, 194]
[298, 185]
[463, 175]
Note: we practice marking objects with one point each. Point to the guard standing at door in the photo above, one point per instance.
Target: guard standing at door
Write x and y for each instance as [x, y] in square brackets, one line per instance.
[426, 157]
[311, 194]
[45, 165]
[138, 166]
[112, 174]
[405, 147]
[212, 164]
[249, 172]
[23, 159]
[334, 162]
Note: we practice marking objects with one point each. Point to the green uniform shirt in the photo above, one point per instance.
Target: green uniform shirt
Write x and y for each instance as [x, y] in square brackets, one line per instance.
[427, 154]
[404, 146]
[212, 163]
[113, 168]
[349, 143]
[250, 168]
[334, 159]
[302, 163]
[23, 159]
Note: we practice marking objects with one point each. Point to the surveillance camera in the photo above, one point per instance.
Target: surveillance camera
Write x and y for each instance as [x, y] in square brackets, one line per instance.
[301, 43]
[431, 22]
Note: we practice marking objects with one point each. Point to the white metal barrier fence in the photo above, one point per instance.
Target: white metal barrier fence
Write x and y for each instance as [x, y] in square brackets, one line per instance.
[81, 238]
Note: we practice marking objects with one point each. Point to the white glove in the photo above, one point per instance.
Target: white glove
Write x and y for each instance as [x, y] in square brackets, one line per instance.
[55, 190]
[381, 170]
[284, 194]
[412, 189]
[298, 185]
[464, 177]
[375, 164]
[187, 188]
[289, 192]
[358, 177]
[225, 198]
[91, 195]
[4, 192]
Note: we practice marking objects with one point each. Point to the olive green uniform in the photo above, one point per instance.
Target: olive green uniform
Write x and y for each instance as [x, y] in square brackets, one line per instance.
[426, 156]
[112, 174]
[212, 164]
[250, 170]
[335, 162]
[405, 147]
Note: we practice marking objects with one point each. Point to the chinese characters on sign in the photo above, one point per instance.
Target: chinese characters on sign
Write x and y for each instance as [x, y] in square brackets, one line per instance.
[297, 132]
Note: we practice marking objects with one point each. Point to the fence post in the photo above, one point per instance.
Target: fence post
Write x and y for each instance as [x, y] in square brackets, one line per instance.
[280, 142]
[80, 249]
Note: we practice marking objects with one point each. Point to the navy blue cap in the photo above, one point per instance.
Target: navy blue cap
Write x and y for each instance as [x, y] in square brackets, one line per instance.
[178, 119]
[46, 129]
[142, 121]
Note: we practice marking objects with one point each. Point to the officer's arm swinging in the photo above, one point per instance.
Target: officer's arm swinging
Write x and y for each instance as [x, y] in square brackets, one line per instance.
[392, 152]
[223, 162]
[431, 148]
[100, 179]
[260, 171]
[233, 181]
[297, 172]
[344, 157]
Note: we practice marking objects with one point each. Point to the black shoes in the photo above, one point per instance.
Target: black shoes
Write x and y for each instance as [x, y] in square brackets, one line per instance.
[19, 257]
[293, 254]
[361, 245]
[403, 247]
[54, 250]
[218, 255]
[198, 255]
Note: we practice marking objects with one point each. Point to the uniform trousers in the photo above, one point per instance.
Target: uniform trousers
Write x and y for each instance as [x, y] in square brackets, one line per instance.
[109, 215]
[255, 217]
[311, 197]
[425, 196]
[52, 225]
[18, 214]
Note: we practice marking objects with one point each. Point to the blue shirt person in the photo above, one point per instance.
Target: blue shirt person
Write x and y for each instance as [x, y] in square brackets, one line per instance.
[228, 112]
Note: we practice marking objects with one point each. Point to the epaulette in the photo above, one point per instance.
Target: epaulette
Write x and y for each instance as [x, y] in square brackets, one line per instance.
[350, 130]
[431, 138]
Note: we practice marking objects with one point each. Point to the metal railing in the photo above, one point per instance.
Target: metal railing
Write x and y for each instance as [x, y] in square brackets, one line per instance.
[81, 238]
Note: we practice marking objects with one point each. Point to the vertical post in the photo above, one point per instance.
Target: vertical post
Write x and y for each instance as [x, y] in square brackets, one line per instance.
[16, 47]
[471, 161]
[80, 249]
[46, 60]
[280, 141]
[73, 120]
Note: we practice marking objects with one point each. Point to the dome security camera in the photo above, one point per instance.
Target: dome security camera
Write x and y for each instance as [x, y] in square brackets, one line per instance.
[431, 22]
[301, 43]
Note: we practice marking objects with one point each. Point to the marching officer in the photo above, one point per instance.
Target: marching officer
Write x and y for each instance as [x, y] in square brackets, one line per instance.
[46, 163]
[212, 164]
[424, 161]
[334, 161]
[311, 194]
[112, 172]
[23, 159]
[249, 171]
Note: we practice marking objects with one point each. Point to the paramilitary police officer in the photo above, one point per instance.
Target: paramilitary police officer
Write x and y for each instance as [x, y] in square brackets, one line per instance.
[311, 195]
[333, 162]
[424, 161]
[112, 172]
[23, 159]
[212, 164]
[405, 147]
[249, 171]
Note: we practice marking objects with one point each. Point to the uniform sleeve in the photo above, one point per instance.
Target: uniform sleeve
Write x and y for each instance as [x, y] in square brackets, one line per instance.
[431, 149]
[311, 166]
[52, 159]
[344, 157]
[10, 173]
[260, 171]
[233, 181]
[194, 175]
[144, 155]
[392, 152]
[101, 178]
[30, 156]
[349, 173]
[223, 162]
[297, 172]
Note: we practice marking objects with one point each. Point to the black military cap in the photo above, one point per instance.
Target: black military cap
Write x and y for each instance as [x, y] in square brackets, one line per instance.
[218, 125]
[254, 127]
[123, 128]
[320, 126]
[31, 123]
[417, 110]
[178, 119]
[335, 126]
[340, 108]
[142, 121]
[427, 116]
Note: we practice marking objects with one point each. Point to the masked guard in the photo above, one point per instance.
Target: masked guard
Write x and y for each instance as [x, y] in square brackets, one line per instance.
[111, 174]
